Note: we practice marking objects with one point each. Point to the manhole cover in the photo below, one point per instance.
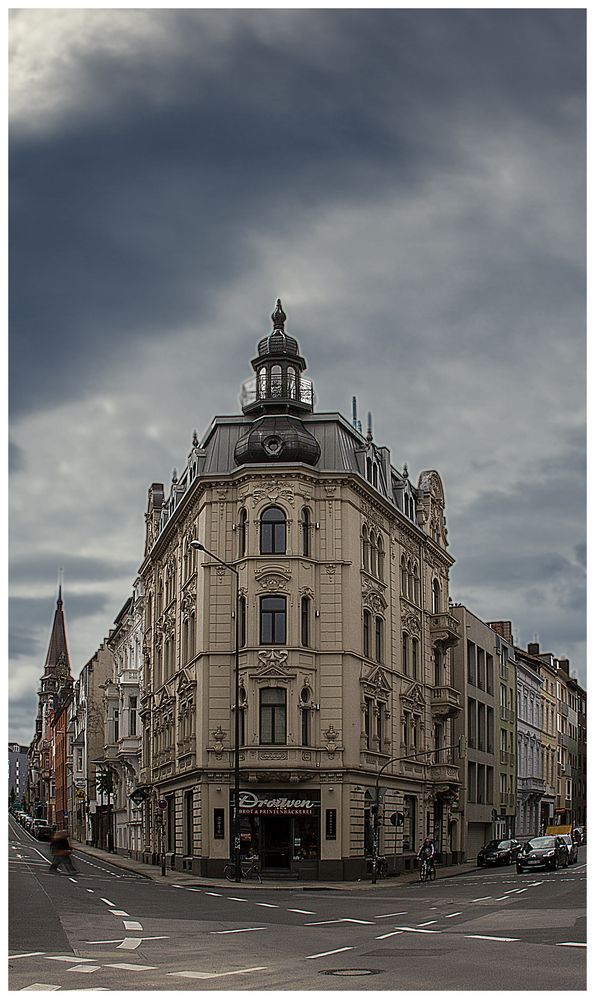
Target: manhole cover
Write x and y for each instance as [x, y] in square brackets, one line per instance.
[351, 972]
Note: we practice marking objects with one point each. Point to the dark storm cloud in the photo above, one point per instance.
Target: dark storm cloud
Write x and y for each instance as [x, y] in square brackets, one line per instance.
[40, 568]
[27, 612]
[126, 226]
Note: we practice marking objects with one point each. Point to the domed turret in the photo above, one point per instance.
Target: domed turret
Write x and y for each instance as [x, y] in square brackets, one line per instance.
[280, 387]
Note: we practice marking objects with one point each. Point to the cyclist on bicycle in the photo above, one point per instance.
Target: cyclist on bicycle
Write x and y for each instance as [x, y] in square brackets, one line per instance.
[427, 852]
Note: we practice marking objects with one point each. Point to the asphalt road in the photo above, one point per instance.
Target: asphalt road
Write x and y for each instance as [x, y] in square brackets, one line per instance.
[107, 929]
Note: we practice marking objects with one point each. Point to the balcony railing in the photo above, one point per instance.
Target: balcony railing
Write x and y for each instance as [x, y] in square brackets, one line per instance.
[444, 629]
[446, 702]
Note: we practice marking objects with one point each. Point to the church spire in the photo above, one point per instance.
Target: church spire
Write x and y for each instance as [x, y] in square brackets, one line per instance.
[57, 659]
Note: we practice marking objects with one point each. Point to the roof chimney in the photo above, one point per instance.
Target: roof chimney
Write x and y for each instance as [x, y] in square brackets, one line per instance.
[504, 629]
[533, 648]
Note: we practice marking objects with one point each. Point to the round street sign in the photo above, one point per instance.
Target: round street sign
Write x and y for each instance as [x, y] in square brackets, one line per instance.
[162, 803]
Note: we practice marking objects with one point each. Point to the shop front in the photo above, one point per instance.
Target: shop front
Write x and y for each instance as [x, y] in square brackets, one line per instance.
[282, 829]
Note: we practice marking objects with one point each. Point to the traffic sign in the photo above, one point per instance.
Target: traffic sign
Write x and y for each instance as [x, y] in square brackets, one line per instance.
[162, 803]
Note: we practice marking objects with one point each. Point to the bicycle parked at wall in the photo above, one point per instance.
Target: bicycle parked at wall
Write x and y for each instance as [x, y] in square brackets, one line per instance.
[249, 870]
[381, 865]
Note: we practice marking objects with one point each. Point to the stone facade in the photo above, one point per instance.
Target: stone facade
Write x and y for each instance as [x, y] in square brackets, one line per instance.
[345, 643]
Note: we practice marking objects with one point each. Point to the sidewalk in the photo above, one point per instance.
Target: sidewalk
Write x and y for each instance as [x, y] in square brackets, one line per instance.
[153, 873]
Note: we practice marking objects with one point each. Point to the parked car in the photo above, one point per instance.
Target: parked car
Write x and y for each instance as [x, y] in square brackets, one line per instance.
[498, 851]
[22, 818]
[550, 852]
[41, 829]
[572, 845]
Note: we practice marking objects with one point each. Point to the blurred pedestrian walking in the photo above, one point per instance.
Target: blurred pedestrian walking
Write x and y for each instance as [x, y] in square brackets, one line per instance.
[61, 851]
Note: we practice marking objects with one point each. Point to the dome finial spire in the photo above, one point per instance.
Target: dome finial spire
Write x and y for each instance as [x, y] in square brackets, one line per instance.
[278, 317]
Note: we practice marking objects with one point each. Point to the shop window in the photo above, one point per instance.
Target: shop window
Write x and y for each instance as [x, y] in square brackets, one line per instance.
[273, 620]
[273, 716]
[409, 823]
[273, 531]
[242, 529]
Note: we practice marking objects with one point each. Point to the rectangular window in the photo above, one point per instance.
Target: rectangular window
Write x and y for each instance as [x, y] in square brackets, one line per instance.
[273, 620]
[405, 653]
[367, 634]
[379, 639]
[116, 725]
[305, 621]
[242, 621]
[368, 716]
[481, 680]
[414, 648]
[489, 673]
[471, 663]
[305, 727]
[471, 782]
[132, 715]
[273, 714]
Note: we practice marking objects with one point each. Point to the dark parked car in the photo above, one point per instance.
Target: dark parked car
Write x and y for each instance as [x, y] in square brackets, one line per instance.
[498, 851]
[572, 845]
[550, 852]
[41, 829]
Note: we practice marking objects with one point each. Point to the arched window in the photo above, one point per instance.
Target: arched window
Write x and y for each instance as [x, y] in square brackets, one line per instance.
[242, 526]
[435, 597]
[365, 549]
[306, 526]
[291, 383]
[373, 554]
[405, 653]
[367, 628]
[262, 383]
[414, 657]
[380, 558]
[242, 621]
[415, 594]
[379, 640]
[305, 621]
[273, 528]
[305, 712]
[276, 381]
[403, 577]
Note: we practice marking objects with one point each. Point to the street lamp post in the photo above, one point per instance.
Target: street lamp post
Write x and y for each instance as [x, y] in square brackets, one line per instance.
[236, 808]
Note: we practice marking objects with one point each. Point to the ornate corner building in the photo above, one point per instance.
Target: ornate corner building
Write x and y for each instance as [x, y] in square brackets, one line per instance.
[345, 633]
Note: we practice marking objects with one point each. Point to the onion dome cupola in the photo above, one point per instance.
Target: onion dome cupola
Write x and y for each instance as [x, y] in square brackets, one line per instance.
[280, 387]
[281, 396]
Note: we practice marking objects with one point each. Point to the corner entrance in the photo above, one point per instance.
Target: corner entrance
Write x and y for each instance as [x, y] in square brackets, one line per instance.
[276, 852]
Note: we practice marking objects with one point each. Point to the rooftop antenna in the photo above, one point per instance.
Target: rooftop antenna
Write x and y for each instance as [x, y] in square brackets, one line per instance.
[354, 411]
[60, 581]
[369, 433]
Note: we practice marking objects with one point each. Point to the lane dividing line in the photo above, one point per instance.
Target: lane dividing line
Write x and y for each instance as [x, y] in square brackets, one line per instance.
[385, 915]
[327, 953]
[112, 905]
[326, 922]
[132, 967]
[415, 929]
[246, 929]
[484, 898]
[214, 974]
[72, 960]
[33, 953]
[430, 922]
[451, 915]
[232, 898]
[478, 936]
[304, 912]
[267, 905]
[394, 933]
[571, 945]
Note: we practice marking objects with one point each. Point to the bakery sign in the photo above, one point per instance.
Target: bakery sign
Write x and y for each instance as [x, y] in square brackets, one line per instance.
[277, 803]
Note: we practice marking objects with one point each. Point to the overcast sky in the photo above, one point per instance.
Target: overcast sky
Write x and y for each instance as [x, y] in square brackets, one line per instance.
[410, 183]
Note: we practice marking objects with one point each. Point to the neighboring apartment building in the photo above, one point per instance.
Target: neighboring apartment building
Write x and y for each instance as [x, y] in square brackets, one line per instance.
[122, 750]
[506, 734]
[474, 662]
[345, 634]
[18, 758]
[567, 743]
[90, 821]
[580, 793]
[530, 710]
[549, 742]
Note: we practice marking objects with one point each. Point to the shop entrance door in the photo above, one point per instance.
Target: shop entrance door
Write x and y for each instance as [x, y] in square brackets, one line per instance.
[277, 842]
